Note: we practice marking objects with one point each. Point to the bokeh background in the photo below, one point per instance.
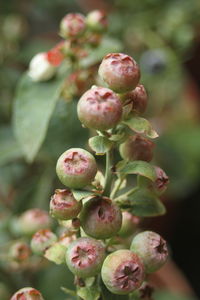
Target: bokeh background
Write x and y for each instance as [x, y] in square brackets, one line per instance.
[164, 38]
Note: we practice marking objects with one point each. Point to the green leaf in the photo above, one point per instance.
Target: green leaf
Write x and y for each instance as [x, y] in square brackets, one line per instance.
[100, 144]
[89, 293]
[56, 253]
[9, 148]
[107, 45]
[79, 195]
[142, 126]
[137, 167]
[33, 107]
[146, 204]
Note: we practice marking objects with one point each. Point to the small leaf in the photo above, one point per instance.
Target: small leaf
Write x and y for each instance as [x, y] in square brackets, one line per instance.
[68, 291]
[146, 204]
[100, 144]
[56, 253]
[89, 293]
[79, 195]
[142, 126]
[33, 107]
[137, 167]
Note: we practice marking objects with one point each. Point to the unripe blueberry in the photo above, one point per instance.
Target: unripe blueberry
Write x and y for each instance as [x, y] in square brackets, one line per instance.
[137, 147]
[97, 21]
[64, 206]
[72, 25]
[19, 251]
[76, 168]
[129, 224]
[32, 220]
[42, 240]
[162, 180]
[85, 256]
[40, 69]
[120, 72]
[138, 99]
[101, 218]
[122, 272]
[151, 248]
[99, 108]
[27, 293]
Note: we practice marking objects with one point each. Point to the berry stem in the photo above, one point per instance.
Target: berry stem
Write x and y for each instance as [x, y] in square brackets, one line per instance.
[108, 173]
[125, 196]
[116, 188]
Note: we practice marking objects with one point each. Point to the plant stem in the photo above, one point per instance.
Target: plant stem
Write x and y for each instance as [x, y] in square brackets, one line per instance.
[124, 196]
[116, 188]
[108, 173]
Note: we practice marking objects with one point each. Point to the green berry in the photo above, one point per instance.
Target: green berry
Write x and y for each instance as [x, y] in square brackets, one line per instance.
[120, 72]
[151, 248]
[122, 272]
[137, 147]
[129, 224]
[27, 293]
[101, 218]
[99, 108]
[42, 240]
[64, 206]
[72, 26]
[85, 256]
[97, 21]
[76, 168]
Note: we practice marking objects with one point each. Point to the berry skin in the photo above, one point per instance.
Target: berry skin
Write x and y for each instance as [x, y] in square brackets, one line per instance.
[33, 220]
[40, 69]
[122, 272]
[84, 257]
[76, 168]
[162, 180]
[27, 293]
[101, 218]
[129, 224]
[64, 206]
[42, 240]
[97, 21]
[72, 26]
[137, 147]
[19, 252]
[151, 248]
[99, 108]
[138, 99]
[120, 72]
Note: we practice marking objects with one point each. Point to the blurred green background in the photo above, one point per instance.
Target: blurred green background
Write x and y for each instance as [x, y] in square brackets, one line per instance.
[164, 38]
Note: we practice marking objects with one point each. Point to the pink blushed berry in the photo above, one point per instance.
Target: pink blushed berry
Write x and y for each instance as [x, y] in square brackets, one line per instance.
[64, 206]
[99, 108]
[42, 240]
[151, 248]
[19, 251]
[101, 218]
[27, 293]
[120, 72]
[138, 99]
[97, 21]
[161, 182]
[137, 147]
[129, 224]
[76, 168]
[122, 272]
[84, 257]
[72, 25]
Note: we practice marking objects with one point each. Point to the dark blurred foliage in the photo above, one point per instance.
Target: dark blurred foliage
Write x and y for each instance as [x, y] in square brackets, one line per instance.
[163, 36]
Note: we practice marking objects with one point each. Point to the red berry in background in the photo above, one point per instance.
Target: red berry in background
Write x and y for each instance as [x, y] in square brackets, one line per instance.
[129, 224]
[101, 218]
[151, 248]
[84, 257]
[138, 99]
[137, 147]
[72, 25]
[120, 72]
[42, 240]
[99, 108]
[27, 293]
[55, 55]
[64, 206]
[162, 180]
[122, 272]
[76, 168]
[19, 251]
[97, 21]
